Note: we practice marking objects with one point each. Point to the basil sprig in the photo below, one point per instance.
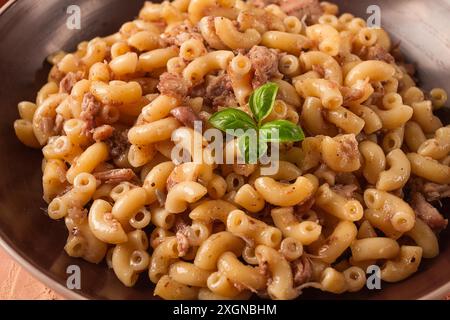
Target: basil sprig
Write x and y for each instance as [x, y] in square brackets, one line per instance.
[261, 104]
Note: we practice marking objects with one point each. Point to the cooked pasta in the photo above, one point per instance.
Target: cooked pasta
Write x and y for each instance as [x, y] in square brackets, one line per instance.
[120, 111]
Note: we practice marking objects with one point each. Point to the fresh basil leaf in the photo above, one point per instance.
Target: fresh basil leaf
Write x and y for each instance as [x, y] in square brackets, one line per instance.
[287, 131]
[248, 147]
[262, 100]
[232, 119]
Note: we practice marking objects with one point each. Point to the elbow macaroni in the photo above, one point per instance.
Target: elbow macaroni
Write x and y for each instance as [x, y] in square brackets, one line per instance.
[115, 114]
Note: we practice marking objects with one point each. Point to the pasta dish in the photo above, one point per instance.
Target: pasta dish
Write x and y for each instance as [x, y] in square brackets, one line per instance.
[129, 125]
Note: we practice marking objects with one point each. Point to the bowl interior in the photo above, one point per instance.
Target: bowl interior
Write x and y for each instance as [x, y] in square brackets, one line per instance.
[31, 30]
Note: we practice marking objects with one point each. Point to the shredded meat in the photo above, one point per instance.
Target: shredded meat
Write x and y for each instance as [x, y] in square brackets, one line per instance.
[219, 91]
[185, 115]
[302, 270]
[377, 52]
[173, 85]
[90, 109]
[433, 191]
[115, 176]
[265, 65]
[118, 143]
[429, 214]
[260, 20]
[179, 34]
[310, 10]
[183, 244]
[70, 79]
[345, 190]
[103, 133]
[348, 149]
[59, 124]
[183, 231]
[305, 206]
[148, 85]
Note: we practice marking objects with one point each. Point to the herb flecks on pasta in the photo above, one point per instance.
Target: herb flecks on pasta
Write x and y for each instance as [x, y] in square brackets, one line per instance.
[355, 192]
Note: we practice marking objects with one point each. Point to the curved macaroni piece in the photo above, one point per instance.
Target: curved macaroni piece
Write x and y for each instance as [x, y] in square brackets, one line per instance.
[306, 232]
[332, 70]
[374, 70]
[169, 289]
[182, 194]
[337, 205]
[400, 214]
[327, 37]
[212, 248]
[281, 194]
[429, 168]
[232, 38]
[398, 173]
[201, 66]
[239, 273]
[340, 239]
[282, 285]
[131, 258]
[253, 229]
[209, 211]
[326, 90]
[103, 225]
[374, 160]
[341, 153]
[403, 266]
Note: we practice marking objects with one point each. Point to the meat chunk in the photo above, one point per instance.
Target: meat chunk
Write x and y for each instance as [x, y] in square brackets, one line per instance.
[185, 115]
[219, 91]
[345, 190]
[302, 270]
[181, 33]
[310, 10]
[429, 214]
[302, 208]
[118, 143]
[90, 109]
[183, 232]
[265, 65]
[59, 123]
[173, 85]
[377, 52]
[70, 79]
[103, 133]
[434, 191]
[115, 176]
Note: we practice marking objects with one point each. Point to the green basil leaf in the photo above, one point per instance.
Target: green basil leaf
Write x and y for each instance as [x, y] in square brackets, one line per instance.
[287, 131]
[232, 119]
[248, 147]
[262, 100]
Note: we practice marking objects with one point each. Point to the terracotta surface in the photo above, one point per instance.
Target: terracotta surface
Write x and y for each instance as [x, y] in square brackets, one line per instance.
[16, 283]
